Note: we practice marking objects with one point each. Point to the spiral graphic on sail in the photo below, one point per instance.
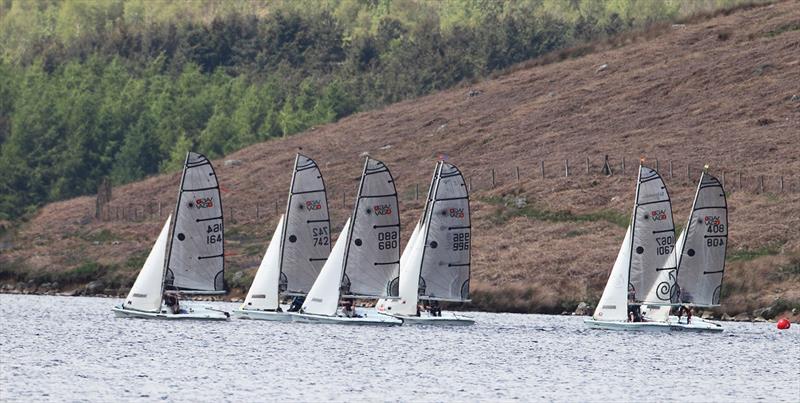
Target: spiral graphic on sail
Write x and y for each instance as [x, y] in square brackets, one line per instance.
[668, 290]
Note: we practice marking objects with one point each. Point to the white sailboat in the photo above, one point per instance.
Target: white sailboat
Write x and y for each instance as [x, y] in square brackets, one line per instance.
[364, 261]
[642, 285]
[188, 256]
[299, 247]
[435, 264]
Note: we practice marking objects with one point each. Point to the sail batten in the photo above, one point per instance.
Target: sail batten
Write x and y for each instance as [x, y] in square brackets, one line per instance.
[372, 255]
[305, 244]
[195, 262]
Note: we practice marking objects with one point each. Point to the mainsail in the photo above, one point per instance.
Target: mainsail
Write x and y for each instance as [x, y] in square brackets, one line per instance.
[445, 270]
[613, 304]
[263, 293]
[652, 268]
[372, 257]
[145, 295]
[195, 263]
[306, 234]
[702, 246]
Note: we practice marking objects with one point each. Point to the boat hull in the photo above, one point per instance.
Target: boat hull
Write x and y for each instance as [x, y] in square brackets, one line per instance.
[194, 313]
[377, 320]
[697, 325]
[262, 315]
[427, 320]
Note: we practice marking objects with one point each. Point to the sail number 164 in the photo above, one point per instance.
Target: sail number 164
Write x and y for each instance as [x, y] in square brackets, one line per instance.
[214, 234]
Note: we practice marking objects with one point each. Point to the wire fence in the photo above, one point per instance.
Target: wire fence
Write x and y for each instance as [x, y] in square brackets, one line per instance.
[478, 181]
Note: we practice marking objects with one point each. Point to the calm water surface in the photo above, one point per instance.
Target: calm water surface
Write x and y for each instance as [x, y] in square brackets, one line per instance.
[74, 349]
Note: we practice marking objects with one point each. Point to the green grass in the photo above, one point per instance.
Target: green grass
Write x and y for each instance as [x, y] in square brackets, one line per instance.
[103, 235]
[532, 211]
[792, 26]
[750, 254]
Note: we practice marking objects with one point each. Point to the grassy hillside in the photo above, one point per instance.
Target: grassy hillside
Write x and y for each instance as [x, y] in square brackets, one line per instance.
[724, 92]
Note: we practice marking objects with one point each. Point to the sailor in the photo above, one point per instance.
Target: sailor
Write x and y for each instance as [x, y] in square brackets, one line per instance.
[171, 301]
[436, 310]
[347, 310]
[297, 303]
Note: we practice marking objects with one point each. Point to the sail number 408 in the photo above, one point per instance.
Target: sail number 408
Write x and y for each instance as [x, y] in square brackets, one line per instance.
[214, 234]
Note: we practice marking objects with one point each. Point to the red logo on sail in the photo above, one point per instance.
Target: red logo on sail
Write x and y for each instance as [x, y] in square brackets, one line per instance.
[711, 220]
[456, 212]
[206, 202]
[658, 215]
[313, 205]
[382, 209]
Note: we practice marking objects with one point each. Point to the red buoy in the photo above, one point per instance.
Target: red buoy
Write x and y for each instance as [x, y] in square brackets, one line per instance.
[784, 324]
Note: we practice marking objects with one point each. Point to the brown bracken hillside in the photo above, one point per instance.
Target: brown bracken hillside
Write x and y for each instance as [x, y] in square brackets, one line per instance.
[725, 91]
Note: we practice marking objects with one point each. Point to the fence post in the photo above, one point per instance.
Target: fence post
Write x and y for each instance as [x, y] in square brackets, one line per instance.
[517, 169]
[492, 178]
[344, 202]
[761, 184]
[723, 179]
[740, 180]
[470, 184]
[656, 164]
[542, 168]
[587, 165]
[257, 211]
[670, 169]
[159, 209]
[566, 167]
[781, 179]
[688, 171]
[276, 207]
[416, 191]
[623, 165]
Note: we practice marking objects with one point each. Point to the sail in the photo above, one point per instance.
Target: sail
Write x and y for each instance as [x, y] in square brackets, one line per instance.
[263, 293]
[446, 258]
[323, 298]
[145, 295]
[410, 275]
[613, 304]
[195, 263]
[652, 272]
[372, 258]
[701, 254]
[306, 239]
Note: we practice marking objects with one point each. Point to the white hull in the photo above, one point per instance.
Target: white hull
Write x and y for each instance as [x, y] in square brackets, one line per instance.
[448, 319]
[377, 320]
[262, 315]
[697, 325]
[194, 313]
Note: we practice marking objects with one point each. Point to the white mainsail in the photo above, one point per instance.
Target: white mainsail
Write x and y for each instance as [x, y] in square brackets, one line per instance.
[195, 262]
[372, 255]
[701, 248]
[323, 298]
[445, 271]
[410, 274]
[263, 293]
[306, 234]
[145, 295]
[613, 304]
[652, 270]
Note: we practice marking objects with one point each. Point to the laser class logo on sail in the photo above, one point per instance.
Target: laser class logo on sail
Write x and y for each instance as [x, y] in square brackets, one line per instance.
[382, 209]
[312, 205]
[658, 215]
[456, 212]
[206, 202]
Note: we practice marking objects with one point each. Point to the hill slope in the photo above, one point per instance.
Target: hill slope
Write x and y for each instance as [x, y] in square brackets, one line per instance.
[724, 92]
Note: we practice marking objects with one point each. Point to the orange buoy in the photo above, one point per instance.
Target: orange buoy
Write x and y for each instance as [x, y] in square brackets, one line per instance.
[784, 324]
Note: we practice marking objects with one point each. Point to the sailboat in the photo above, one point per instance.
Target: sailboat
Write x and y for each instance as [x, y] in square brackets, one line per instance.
[299, 247]
[364, 262]
[435, 264]
[188, 256]
[701, 248]
[642, 286]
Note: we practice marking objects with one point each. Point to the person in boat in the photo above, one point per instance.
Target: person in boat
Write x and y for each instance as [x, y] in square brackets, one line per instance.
[171, 301]
[297, 303]
[348, 310]
[687, 311]
[436, 309]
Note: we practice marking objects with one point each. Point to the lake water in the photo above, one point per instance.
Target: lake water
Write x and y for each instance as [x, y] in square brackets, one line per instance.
[74, 349]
